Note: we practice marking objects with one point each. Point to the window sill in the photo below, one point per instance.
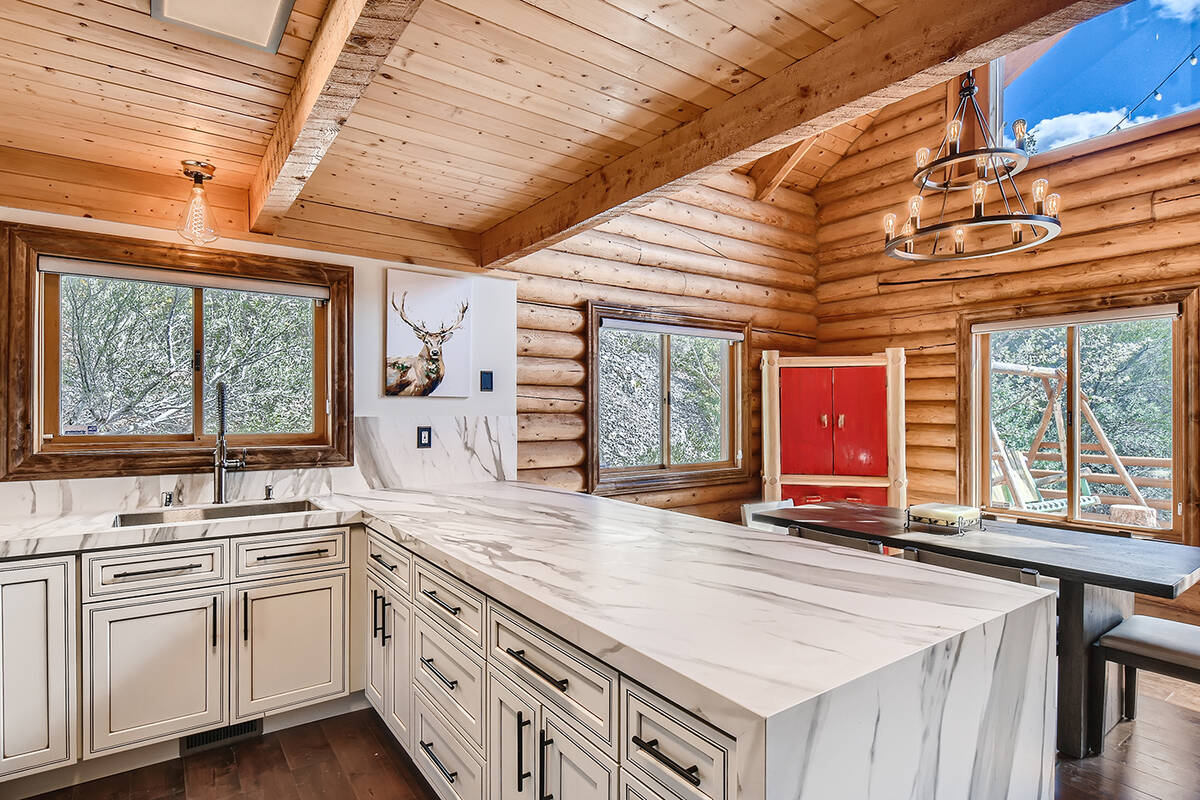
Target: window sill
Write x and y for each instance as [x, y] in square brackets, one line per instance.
[660, 480]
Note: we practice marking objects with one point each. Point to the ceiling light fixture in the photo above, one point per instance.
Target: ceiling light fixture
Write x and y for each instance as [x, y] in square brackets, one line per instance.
[197, 223]
[947, 171]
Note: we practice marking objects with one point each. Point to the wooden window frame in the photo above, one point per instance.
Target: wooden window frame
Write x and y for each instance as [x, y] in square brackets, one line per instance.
[28, 456]
[972, 408]
[626, 480]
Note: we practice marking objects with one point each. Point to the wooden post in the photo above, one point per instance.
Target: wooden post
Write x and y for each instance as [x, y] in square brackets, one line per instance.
[897, 461]
[772, 465]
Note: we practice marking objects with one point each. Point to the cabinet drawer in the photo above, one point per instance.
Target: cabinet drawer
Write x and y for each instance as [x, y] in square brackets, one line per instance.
[673, 750]
[634, 789]
[451, 602]
[390, 560]
[568, 678]
[452, 675]
[115, 573]
[279, 554]
[450, 765]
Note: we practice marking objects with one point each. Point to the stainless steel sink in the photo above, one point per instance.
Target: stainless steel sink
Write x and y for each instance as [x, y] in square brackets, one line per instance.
[169, 516]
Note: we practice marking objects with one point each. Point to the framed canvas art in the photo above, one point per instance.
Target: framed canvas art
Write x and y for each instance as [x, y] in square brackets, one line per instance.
[427, 350]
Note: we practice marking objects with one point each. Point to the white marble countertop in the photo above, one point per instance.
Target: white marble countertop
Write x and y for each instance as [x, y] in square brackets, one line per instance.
[754, 623]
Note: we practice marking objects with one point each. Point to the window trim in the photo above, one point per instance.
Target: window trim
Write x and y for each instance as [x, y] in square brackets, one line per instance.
[626, 480]
[1186, 370]
[28, 457]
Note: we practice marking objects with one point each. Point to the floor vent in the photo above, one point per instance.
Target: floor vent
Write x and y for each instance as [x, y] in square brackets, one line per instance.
[199, 742]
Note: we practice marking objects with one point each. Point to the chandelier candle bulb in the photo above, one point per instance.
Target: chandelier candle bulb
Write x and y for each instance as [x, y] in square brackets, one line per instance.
[889, 227]
[960, 240]
[914, 211]
[978, 193]
[907, 230]
[922, 157]
[1016, 233]
[1040, 187]
[981, 166]
[1053, 204]
[1019, 130]
[953, 134]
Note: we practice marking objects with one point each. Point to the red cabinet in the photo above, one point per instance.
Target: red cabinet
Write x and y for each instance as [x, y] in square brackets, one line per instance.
[833, 420]
[806, 495]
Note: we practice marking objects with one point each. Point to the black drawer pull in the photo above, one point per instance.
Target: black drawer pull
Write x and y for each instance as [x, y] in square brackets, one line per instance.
[245, 616]
[543, 742]
[689, 774]
[428, 748]
[379, 559]
[214, 623]
[521, 773]
[519, 655]
[375, 613]
[428, 662]
[138, 572]
[383, 607]
[432, 595]
[318, 552]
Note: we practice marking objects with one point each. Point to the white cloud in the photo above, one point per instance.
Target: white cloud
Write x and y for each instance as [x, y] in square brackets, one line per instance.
[1070, 128]
[1184, 10]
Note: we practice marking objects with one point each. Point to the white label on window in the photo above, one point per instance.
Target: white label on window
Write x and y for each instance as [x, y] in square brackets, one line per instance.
[80, 430]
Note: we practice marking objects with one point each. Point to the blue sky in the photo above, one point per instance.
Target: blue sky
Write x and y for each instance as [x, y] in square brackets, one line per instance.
[1104, 67]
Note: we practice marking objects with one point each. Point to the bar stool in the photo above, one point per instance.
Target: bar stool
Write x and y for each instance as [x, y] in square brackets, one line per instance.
[866, 545]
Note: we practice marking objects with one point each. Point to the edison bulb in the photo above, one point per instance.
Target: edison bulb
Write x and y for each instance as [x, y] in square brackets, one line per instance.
[960, 240]
[922, 157]
[889, 225]
[1016, 233]
[1158, 95]
[914, 205]
[907, 230]
[954, 130]
[1053, 204]
[1019, 130]
[1040, 187]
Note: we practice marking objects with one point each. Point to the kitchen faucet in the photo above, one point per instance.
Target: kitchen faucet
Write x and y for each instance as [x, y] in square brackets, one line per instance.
[221, 462]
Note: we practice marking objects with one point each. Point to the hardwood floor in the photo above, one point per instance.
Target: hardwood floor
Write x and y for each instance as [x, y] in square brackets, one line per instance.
[353, 757]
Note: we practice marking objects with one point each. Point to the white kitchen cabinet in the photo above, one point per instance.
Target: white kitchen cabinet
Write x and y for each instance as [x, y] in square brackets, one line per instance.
[389, 670]
[512, 715]
[290, 643]
[154, 670]
[571, 768]
[37, 665]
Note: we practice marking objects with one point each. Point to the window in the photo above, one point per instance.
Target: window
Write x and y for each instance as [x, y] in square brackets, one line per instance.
[1077, 418]
[135, 355]
[125, 358]
[1132, 65]
[666, 400]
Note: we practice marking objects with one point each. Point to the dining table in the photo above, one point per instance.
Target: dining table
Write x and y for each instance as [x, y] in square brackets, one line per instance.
[1098, 575]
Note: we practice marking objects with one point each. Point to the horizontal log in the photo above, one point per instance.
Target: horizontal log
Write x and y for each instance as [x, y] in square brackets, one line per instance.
[745, 186]
[747, 208]
[551, 399]
[552, 344]
[939, 390]
[693, 217]
[940, 459]
[550, 427]
[536, 371]
[722, 511]
[536, 316]
[544, 455]
[697, 495]
[931, 435]
[929, 413]
[935, 482]
[567, 478]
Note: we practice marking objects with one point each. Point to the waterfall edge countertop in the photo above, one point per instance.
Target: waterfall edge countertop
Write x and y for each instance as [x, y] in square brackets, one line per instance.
[658, 581]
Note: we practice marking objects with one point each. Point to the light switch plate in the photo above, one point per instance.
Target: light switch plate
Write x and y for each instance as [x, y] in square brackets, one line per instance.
[485, 380]
[424, 437]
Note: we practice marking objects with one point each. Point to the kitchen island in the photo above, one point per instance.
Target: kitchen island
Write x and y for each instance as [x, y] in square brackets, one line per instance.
[834, 673]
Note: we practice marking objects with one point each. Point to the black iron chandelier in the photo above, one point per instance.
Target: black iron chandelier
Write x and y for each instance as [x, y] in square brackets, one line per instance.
[1010, 228]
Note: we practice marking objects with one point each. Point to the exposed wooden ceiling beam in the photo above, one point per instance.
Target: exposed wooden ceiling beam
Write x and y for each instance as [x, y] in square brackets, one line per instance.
[919, 44]
[351, 44]
[770, 170]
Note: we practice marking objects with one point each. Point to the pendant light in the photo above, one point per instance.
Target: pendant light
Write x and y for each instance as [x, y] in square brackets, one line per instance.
[1000, 225]
[197, 223]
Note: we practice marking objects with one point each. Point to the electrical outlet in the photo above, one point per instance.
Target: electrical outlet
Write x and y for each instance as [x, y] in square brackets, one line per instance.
[424, 437]
[485, 380]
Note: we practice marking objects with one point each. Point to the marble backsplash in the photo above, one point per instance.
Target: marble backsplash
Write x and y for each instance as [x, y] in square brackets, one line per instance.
[465, 449]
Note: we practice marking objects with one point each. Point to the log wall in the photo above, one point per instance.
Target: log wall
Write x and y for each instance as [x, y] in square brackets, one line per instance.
[710, 250]
[1131, 222]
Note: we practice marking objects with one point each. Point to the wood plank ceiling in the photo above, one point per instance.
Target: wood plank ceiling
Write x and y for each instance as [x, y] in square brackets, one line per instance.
[102, 81]
[487, 106]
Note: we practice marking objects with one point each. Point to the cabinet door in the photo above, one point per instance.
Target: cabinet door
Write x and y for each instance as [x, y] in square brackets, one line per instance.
[806, 420]
[860, 412]
[376, 659]
[571, 768]
[512, 741]
[290, 647]
[153, 670]
[37, 665]
[397, 616]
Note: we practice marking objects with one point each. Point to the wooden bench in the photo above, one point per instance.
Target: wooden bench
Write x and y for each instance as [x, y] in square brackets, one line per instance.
[1159, 645]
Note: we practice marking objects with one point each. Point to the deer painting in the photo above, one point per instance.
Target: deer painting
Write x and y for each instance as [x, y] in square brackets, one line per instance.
[419, 375]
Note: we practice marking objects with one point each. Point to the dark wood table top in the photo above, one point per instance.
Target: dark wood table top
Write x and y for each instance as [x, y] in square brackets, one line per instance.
[1147, 566]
